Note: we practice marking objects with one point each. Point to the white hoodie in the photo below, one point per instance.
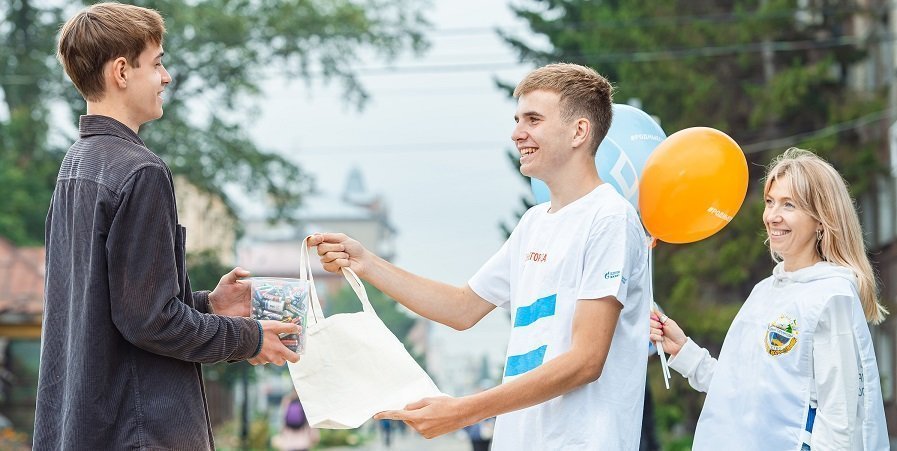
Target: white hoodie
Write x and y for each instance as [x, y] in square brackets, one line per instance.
[799, 342]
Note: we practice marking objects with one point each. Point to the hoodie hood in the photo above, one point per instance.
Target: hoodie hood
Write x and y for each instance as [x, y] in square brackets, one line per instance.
[821, 270]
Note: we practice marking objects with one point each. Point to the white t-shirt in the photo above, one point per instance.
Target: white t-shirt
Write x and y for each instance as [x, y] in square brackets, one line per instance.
[593, 248]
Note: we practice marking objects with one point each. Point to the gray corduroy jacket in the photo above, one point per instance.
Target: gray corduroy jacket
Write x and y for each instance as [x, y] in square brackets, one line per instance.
[123, 335]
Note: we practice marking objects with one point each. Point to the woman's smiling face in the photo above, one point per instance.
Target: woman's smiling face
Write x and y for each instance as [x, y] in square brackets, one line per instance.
[792, 232]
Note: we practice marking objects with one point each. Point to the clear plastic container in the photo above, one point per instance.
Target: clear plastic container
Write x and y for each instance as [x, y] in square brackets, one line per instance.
[285, 300]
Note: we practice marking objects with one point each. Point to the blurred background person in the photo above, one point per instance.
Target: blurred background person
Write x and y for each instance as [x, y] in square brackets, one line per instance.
[296, 434]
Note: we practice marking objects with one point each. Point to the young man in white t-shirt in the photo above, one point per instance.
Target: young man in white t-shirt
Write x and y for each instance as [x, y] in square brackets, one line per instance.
[573, 275]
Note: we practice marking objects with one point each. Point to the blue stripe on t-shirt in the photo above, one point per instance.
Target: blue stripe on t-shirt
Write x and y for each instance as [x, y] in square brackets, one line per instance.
[519, 364]
[542, 308]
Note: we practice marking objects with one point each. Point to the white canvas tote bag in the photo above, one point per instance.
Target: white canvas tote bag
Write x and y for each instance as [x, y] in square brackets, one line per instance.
[353, 366]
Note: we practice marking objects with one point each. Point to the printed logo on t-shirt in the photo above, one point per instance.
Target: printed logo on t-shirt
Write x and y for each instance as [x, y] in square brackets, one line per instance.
[536, 257]
[781, 335]
[612, 274]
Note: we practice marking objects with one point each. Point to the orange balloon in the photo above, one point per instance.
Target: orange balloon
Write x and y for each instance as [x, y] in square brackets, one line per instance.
[692, 185]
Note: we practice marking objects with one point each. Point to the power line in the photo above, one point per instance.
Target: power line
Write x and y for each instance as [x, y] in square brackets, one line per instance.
[761, 146]
[479, 146]
[647, 22]
[630, 57]
[640, 57]
[618, 57]
[405, 148]
[834, 129]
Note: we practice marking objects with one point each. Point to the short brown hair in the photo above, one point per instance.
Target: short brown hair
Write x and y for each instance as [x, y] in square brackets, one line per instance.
[584, 93]
[101, 33]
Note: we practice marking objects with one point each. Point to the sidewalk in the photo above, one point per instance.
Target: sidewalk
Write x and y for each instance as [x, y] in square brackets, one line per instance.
[413, 442]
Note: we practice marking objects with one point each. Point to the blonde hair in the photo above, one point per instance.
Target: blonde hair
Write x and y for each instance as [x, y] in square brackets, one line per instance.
[820, 191]
[583, 92]
[101, 33]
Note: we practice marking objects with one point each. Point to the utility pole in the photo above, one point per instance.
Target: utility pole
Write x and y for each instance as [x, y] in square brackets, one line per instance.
[244, 414]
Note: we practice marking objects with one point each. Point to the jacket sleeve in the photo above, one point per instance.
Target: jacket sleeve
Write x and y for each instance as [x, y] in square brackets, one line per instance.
[836, 374]
[696, 364]
[201, 301]
[144, 281]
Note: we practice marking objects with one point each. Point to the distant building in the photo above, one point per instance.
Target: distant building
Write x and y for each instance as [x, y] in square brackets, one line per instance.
[878, 206]
[22, 272]
[273, 249]
[21, 290]
[210, 222]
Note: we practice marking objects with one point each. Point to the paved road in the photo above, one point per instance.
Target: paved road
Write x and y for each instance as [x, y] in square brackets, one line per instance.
[414, 442]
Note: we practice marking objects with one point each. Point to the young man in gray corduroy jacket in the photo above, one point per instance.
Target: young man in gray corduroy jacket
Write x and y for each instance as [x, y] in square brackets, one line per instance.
[123, 333]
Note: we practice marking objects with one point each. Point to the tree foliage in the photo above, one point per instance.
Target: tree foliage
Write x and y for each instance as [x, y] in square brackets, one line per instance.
[220, 54]
[28, 164]
[755, 70]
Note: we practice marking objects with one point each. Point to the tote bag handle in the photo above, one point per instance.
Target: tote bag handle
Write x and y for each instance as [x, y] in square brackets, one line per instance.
[305, 273]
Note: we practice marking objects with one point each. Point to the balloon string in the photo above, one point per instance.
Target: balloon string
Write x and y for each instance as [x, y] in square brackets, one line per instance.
[657, 310]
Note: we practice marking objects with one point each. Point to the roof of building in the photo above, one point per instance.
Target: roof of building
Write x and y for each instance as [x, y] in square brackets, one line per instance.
[321, 206]
[354, 203]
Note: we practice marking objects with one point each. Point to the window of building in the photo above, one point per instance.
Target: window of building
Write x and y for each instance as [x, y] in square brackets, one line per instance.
[886, 199]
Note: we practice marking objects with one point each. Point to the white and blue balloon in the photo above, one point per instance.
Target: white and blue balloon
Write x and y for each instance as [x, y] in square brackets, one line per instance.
[632, 137]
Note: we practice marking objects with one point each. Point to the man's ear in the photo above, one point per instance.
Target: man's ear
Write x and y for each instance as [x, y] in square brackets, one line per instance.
[582, 133]
[119, 72]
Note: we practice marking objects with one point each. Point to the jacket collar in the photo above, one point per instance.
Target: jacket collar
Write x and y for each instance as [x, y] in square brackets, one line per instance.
[93, 124]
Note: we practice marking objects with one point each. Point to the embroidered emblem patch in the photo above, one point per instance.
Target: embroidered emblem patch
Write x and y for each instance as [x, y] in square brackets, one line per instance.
[781, 335]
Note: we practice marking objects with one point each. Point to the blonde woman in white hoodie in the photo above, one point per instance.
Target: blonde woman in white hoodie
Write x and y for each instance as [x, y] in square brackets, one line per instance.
[797, 369]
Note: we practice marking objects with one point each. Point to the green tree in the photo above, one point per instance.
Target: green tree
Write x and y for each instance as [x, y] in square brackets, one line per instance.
[28, 164]
[756, 70]
[220, 54]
